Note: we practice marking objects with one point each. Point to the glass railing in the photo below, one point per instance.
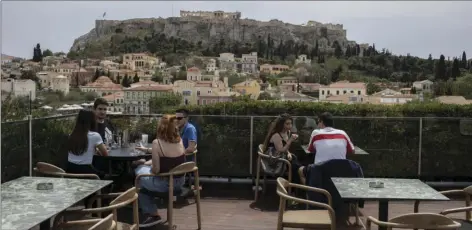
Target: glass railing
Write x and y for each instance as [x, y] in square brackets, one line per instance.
[227, 145]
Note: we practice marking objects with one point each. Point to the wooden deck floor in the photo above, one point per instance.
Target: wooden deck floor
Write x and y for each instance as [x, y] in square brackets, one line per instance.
[226, 214]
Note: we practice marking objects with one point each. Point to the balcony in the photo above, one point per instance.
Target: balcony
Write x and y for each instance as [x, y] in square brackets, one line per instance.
[429, 148]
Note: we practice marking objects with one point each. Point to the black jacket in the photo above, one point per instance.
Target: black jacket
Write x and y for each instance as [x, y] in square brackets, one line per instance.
[319, 176]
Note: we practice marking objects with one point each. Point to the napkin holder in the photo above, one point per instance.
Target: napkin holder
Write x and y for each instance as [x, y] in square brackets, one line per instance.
[376, 184]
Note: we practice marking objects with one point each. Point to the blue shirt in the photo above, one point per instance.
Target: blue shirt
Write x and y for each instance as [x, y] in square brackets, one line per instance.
[188, 133]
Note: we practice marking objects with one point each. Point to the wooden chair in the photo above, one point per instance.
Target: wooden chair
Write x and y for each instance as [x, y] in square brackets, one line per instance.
[188, 167]
[128, 197]
[416, 221]
[466, 192]
[194, 154]
[106, 223]
[47, 169]
[54, 171]
[260, 156]
[317, 219]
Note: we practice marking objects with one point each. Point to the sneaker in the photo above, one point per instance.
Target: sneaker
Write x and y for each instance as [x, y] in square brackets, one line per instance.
[150, 221]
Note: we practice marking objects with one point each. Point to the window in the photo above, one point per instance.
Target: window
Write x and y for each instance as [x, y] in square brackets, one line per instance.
[344, 91]
[337, 92]
[186, 93]
[358, 92]
[322, 92]
[352, 91]
[198, 93]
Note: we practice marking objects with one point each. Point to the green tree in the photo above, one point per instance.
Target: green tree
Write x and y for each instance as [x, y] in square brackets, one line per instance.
[125, 81]
[265, 96]
[464, 60]
[47, 53]
[413, 90]
[97, 75]
[164, 101]
[441, 68]
[372, 88]
[135, 78]
[37, 54]
[455, 72]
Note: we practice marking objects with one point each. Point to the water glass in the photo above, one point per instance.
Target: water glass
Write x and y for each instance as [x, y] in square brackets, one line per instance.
[144, 140]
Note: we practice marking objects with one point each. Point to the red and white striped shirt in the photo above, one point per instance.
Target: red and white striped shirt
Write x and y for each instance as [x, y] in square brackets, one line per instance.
[330, 144]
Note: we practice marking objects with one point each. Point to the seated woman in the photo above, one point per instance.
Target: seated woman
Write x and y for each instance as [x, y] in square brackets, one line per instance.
[277, 144]
[83, 143]
[167, 153]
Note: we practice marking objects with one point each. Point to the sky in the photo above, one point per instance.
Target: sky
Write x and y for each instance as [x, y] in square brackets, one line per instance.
[419, 28]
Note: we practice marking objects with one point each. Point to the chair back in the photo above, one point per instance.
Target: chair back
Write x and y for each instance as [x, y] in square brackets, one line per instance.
[183, 168]
[423, 221]
[282, 185]
[125, 198]
[106, 223]
[48, 169]
[468, 190]
[54, 171]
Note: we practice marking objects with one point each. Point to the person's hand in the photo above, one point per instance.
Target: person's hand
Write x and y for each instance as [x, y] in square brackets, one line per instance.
[294, 137]
[139, 162]
[142, 149]
[289, 156]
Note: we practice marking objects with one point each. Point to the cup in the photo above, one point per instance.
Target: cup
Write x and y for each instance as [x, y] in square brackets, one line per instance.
[144, 140]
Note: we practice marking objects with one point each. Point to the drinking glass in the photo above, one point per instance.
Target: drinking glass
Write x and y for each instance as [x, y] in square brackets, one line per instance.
[144, 140]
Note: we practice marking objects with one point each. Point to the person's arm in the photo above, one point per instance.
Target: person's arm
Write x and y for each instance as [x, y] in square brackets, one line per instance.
[99, 145]
[191, 134]
[349, 145]
[155, 161]
[279, 145]
[311, 146]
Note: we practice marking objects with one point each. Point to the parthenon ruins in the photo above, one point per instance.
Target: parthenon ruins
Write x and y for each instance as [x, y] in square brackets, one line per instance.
[210, 14]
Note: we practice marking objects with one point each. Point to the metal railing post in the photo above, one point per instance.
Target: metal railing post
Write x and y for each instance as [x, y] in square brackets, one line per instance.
[251, 145]
[420, 146]
[30, 139]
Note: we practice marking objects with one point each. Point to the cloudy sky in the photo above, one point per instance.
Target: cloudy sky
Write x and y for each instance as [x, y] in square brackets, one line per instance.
[418, 28]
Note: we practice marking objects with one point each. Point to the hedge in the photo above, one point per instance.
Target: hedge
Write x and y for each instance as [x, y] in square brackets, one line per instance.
[389, 133]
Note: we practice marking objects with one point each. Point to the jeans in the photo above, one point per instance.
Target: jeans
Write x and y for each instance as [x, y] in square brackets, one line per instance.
[153, 184]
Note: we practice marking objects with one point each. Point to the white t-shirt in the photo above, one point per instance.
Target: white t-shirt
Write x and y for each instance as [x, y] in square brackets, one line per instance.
[330, 144]
[94, 139]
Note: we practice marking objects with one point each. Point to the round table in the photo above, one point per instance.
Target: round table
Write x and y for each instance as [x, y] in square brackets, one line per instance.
[122, 154]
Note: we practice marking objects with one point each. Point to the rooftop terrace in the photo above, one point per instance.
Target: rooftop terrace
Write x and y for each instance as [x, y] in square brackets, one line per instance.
[432, 149]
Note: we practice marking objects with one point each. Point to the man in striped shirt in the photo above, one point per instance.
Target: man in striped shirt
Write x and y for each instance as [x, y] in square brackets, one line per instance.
[329, 143]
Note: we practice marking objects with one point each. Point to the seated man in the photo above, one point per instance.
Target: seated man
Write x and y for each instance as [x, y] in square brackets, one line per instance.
[329, 143]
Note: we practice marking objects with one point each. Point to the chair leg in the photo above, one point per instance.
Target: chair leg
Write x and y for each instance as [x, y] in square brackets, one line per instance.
[258, 174]
[264, 184]
[170, 205]
[197, 198]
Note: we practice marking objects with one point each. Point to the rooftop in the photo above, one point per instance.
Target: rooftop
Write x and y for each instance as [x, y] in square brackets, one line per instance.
[398, 147]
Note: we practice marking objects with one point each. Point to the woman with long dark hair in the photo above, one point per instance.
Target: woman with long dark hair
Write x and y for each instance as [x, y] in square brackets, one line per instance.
[83, 143]
[277, 144]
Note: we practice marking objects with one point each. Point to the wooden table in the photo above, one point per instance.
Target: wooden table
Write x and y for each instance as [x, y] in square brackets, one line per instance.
[394, 189]
[357, 150]
[23, 206]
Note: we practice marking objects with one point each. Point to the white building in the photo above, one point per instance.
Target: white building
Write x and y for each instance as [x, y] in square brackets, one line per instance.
[211, 65]
[20, 88]
[302, 59]
[60, 83]
[425, 86]
[342, 88]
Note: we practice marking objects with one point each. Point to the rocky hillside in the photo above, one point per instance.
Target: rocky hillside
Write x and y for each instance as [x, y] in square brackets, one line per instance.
[108, 36]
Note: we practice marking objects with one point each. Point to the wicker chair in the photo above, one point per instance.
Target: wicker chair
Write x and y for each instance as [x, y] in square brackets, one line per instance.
[466, 192]
[182, 169]
[260, 156]
[416, 221]
[122, 200]
[316, 219]
[106, 223]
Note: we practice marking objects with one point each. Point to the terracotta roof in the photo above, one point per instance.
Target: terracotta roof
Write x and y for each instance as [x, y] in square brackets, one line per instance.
[151, 88]
[104, 82]
[193, 69]
[346, 84]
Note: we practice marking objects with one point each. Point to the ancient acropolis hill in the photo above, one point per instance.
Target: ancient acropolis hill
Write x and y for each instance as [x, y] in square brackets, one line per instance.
[210, 14]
